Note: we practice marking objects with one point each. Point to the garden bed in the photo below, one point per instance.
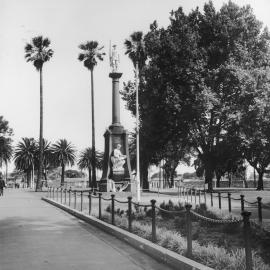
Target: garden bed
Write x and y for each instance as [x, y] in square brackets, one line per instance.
[217, 246]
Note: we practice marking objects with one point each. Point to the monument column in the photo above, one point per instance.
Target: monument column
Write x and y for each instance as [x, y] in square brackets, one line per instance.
[116, 166]
[115, 98]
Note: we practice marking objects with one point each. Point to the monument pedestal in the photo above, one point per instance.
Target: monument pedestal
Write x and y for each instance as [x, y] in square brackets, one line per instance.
[116, 179]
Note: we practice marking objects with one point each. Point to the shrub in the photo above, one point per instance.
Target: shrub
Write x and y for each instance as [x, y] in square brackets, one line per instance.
[170, 206]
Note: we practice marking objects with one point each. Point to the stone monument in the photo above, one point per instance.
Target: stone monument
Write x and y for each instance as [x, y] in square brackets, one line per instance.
[116, 175]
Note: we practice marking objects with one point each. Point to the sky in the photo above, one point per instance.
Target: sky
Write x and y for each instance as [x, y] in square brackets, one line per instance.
[68, 23]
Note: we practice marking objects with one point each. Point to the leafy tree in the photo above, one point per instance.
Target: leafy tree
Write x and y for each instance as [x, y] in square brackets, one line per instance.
[173, 154]
[255, 127]
[199, 79]
[24, 157]
[86, 162]
[6, 151]
[38, 52]
[91, 52]
[5, 130]
[64, 155]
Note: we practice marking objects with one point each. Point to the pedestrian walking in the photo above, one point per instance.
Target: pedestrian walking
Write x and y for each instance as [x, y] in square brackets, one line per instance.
[2, 185]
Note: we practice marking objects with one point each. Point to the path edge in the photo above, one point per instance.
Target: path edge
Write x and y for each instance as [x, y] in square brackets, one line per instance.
[157, 252]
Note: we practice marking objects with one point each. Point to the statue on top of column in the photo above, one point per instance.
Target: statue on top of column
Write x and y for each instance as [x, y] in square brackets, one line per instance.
[114, 59]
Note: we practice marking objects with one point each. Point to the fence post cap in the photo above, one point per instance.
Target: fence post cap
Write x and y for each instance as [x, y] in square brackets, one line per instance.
[229, 193]
[112, 195]
[188, 206]
[242, 196]
[259, 198]
[129, 197]
[153, 201]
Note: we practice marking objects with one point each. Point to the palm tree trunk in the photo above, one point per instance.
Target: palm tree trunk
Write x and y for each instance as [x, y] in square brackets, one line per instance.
[63, 175]
[40, 171]
[89, 177]
[94, 179]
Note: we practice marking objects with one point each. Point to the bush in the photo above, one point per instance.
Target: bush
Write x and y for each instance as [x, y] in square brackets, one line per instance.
[170, 206]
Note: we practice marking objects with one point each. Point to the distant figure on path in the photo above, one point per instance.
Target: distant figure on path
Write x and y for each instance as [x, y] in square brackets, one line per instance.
[2, 185]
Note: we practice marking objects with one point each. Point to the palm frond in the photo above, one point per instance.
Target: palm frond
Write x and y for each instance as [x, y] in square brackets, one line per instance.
[91, 52]
[38, 51]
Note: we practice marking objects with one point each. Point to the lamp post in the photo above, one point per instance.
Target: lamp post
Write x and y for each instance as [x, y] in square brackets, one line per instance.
[137, 138]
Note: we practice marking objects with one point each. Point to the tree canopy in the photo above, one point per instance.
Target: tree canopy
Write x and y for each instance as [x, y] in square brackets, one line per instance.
[200, 78]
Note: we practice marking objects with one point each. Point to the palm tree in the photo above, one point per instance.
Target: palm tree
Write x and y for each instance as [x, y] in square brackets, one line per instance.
[136, 52]
[38, 52]
[86, 162]
[6, 152]
[24, 156]
[91, 52]
[64, 155]
[48, 158]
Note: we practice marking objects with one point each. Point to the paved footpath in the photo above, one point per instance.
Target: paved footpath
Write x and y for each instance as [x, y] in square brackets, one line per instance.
[35, 235]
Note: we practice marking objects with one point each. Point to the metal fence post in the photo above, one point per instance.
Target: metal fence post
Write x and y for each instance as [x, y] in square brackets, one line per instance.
[90, 202]
[199, 197]
[75, 199]
[242, 203]
[65, 195]
[189, 231]
[154, 236]
[69, 195]
[211, 193]
[112, 196]
[229, 202]
[99, 205]
[259, 200]
[129, 214]
[81, 201]
[219, 200]
[204, 196]
[61, 195]
[195, 195]
[246, 227]
[191, 193]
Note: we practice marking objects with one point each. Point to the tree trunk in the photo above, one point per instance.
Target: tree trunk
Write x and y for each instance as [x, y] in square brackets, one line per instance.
[40, 169]
[28, 177]
[89, 177]
[218, 176]
[230, 179]
[260, 181]
[254, 180]
[63, 175]
[94, 178]
[144, 176]
[6, 171]
[209, 174]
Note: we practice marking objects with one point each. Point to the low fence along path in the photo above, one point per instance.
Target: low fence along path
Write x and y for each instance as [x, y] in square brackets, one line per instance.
[36, 235]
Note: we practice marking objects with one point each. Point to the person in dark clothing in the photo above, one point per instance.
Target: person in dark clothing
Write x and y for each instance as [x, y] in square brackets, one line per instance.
[2, 185]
